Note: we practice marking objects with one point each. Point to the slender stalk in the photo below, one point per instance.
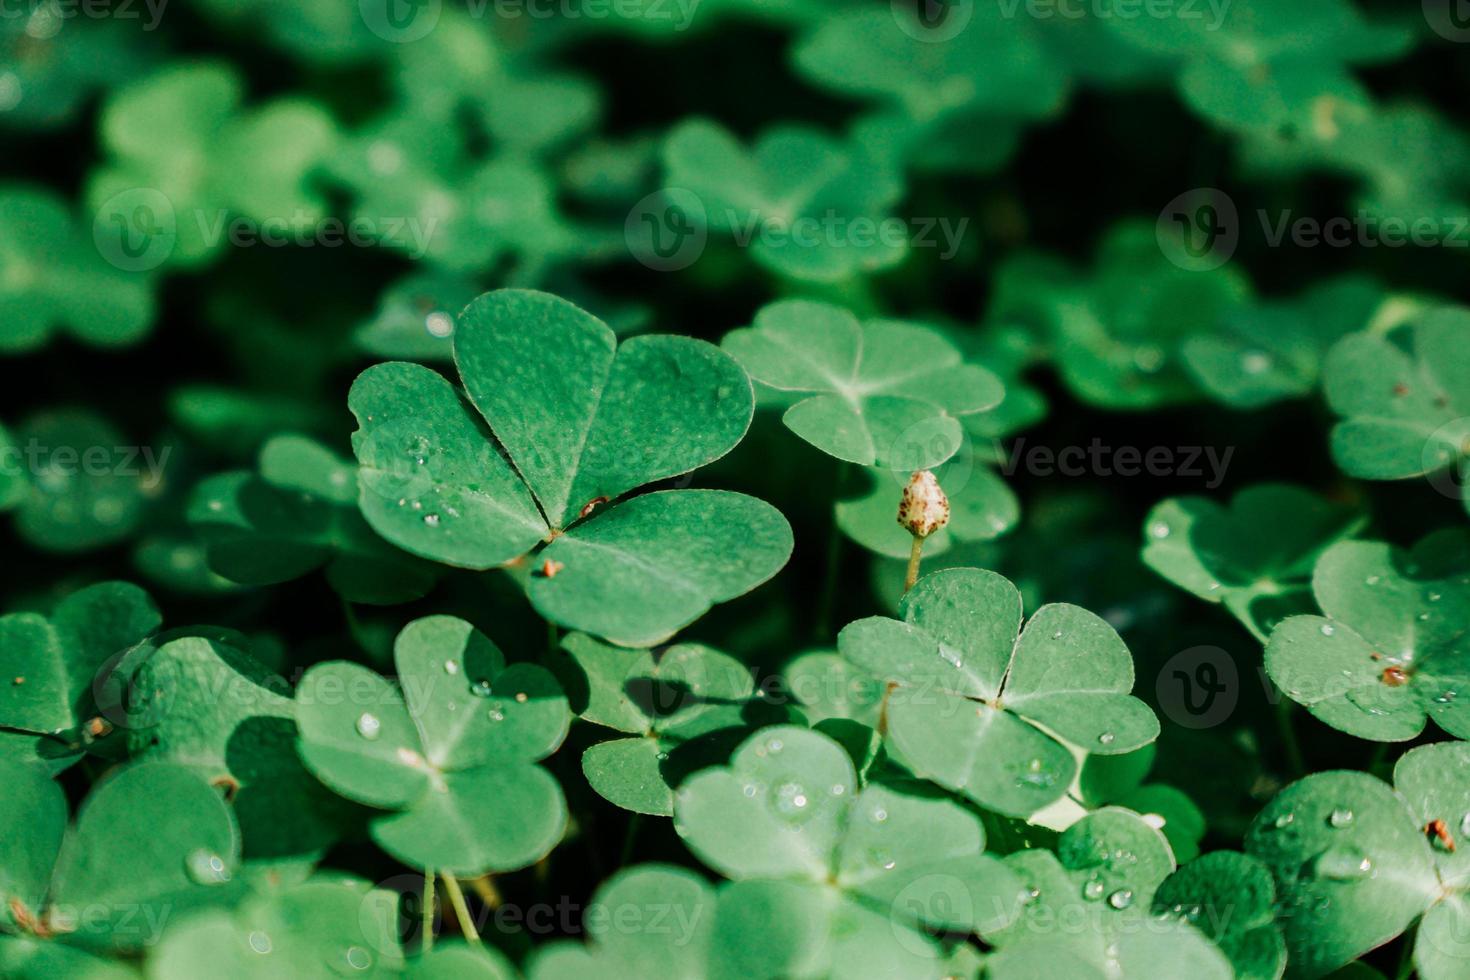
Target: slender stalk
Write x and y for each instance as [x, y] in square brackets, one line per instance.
[916, 552]
[628, 837]
[426, 941]
[461, 910]
[484, 886]
[1284, 711]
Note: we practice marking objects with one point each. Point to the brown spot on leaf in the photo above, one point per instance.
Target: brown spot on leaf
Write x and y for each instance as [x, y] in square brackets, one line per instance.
[1400, 389]
[590, 506]
[1438, 830]
[228, 786]
[1394, 676]
[549, 568]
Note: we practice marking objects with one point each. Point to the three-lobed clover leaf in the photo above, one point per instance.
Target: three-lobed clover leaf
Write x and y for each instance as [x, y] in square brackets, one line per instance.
[197, 697]
[151, 839]
[1231, 898]
[977, 704]
[1403, 398]
[1274, 350]
[298, 514]
[1356, 863]
[185, 161]
[51, 667]
[1390, 648]
[1255, 556]
[52, 278]
[582, 421]
[863, 868]
[342, 926]
[1087, 909]
[450, 753]
[981, 508]
[1118, 780]
[652, 920]
[683, 704]
[880, 393]
[808, 206]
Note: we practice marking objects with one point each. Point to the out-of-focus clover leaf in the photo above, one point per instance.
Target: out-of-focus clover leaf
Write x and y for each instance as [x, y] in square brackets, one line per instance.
[450, 754]
[13, 483]
[682, 704]
[977, 85]
[1088, 909]
[313, 30]
[461, 961]
[825, 686]
[415, 318]
[298, 514]
[582, 422]
[1390, 648]
[198, 698]
[653, 920]
[150, 841]
[1273, 351]
[880, 392]
[47, 73]
[1262, 66]
[1356, 863]
[794, 198]
[1119, 780]
[341, 927]
[50, 666]
[868, 867]
[1404, 399]
[88, 486]
[53, 278]
[1117, 333]
[1231, 898]
[186, 162]
[1254, 557]
[977, 704]
[238, 421]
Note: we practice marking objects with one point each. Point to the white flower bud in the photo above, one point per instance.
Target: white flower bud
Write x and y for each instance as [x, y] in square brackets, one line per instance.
[924, 508]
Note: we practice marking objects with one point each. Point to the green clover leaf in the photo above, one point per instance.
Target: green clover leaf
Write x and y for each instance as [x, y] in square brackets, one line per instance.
[793, 198]
[1357, 863]
[1390, 649]
[1273, 351]
[450, 753]
[867, 865]
[825, 686]
[1254, 557]
[1405, 407]
[1119, 780]
[977, 704]
[300, 514]
[1088, 908]
[683, 704]
[50, 667]
[333, 927]
[880, 392]
[150, 840]
[50, 73]
[88, 486]
[1231, 898]
[652, 920]
[198, 698]
[185, 159]
[981, 508]
[415, 318]
[312, 30]
[583, 421]
[53, 278]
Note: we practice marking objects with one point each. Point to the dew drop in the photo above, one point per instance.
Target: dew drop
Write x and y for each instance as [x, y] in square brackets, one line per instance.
[1093, 890]
[1158, 529]
[1107, 738]
[481, 688]
[1340, 817]
[1465, 824]
[358, 958]
[368, 725]
[838, 789]
[879, 815]
[496, 714]
[774, 745]
[260, 942]
[431, 520]
[451, 667]
[206, 868]
[521, 697]
[1121, 899]
[1284, 820]
[750, 789]
[1373, 579]
[1327, 629]
[1343, 864]
[439, 324]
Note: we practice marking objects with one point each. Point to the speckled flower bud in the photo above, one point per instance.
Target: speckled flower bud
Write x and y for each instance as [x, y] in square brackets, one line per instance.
[924, 508]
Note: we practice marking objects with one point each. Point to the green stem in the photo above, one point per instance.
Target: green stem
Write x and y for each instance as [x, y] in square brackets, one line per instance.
[461, 910]
[628, 837]
[916, 553]
[828, 595]
[426, 941]
[1285, 709]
